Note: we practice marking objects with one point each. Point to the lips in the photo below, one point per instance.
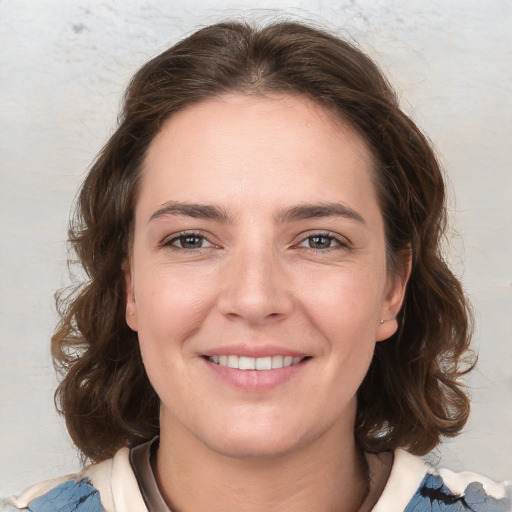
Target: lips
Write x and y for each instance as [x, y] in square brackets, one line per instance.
[255, 369]
[255, 363]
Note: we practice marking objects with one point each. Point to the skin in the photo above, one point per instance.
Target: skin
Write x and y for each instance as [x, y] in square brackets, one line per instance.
[261, 275]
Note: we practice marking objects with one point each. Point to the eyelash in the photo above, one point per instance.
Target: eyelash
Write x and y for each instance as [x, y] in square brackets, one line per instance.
[175, 237]
[341, 242]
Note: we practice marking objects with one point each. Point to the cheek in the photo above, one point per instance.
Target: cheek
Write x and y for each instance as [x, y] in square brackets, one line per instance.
[345, 310]
[170, 305]
[171, 308]
[345, 298]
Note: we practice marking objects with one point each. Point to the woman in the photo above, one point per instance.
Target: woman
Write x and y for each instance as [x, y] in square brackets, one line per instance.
[268, 322]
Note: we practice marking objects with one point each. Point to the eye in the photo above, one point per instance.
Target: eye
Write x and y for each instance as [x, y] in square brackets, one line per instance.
[189, 241]
[322, 241]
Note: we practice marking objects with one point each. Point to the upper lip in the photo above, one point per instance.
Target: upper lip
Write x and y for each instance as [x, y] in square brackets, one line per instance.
[253, 351]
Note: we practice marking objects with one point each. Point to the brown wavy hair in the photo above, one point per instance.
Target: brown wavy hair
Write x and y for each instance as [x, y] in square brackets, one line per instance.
[412, 394]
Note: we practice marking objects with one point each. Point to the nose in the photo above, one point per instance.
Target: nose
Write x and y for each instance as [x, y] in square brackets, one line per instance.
[255, 288]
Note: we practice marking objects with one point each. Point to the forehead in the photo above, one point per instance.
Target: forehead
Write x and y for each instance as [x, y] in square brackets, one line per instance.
[280, 147]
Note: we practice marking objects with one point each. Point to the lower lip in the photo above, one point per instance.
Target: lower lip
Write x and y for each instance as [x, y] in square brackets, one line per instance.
[256, 380]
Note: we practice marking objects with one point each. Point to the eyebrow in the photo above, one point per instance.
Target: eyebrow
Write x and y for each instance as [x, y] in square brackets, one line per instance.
[197, 211]
[293, 213]
[320, 210]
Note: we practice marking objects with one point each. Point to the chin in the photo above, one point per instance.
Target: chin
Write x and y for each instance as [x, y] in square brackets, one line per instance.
[252, 447]
[253, 440]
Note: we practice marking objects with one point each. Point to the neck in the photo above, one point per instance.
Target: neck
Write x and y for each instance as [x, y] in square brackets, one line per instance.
[329, 474]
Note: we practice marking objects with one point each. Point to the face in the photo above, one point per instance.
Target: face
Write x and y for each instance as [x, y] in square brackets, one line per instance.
[258, 275]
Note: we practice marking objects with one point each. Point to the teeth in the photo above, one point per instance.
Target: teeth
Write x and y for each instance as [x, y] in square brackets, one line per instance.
[277, 361]
[255, 363]
[232, 362]
[243, 363]
[263, 363]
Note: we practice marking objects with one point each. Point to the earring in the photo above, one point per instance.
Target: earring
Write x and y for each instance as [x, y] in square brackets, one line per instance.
[382, 320]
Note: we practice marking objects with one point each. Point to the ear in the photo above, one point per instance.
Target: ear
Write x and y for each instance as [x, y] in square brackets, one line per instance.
[395, 294]
[131, 306]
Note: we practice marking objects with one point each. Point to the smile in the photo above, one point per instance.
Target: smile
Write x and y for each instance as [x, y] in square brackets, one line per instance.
[255, 363]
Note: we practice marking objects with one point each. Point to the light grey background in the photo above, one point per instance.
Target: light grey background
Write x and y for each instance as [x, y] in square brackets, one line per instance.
[63, 67]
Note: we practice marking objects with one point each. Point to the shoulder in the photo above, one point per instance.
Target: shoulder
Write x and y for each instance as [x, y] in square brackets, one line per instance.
[462, 492]
[62, 494]
[108, 486]
[414, 486]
